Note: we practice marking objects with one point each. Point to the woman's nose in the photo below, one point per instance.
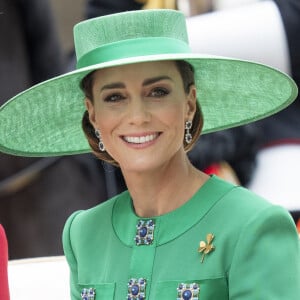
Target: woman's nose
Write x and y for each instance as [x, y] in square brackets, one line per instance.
[139, 112]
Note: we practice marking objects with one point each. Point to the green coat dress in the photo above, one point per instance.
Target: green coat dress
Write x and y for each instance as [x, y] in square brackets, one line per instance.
[224, 243]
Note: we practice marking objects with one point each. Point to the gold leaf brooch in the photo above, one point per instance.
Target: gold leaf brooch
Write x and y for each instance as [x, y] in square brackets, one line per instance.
[206, 247]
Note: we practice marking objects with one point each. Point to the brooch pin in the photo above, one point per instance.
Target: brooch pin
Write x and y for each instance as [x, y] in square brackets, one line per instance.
[187, 291]
[144, 232]
[206, 247]
[136, 289]
[88, 294]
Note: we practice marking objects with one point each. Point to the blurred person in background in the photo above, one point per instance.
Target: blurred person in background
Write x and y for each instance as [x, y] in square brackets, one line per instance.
[277, 172]
[32, 190]
[272, 39]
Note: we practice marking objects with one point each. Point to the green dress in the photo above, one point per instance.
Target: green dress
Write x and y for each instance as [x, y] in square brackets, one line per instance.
[224, 243]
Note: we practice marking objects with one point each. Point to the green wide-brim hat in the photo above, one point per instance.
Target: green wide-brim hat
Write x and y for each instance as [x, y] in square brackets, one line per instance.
[45, 120]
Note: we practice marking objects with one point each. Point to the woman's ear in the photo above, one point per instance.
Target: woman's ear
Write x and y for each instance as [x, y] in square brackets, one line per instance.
[191, 102]
[91, 111]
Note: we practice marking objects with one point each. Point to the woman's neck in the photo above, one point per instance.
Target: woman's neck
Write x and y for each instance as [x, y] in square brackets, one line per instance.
[161, 191]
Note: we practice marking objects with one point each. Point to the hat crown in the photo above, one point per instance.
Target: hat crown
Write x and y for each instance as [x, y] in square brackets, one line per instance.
[102, 31]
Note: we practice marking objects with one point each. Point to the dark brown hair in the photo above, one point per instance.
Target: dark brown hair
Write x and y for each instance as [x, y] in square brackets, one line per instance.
[186, 71]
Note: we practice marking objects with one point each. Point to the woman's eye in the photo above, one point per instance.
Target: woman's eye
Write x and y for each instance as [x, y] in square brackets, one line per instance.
[159, 92]
[113, 98]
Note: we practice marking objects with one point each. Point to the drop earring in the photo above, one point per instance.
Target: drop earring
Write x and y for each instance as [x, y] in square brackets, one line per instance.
[188, 137]
[100, 144]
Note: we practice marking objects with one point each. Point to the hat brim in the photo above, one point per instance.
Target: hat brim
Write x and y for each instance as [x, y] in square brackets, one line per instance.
[45, 120]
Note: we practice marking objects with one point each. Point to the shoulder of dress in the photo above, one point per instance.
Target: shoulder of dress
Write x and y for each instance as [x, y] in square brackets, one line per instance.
[102, 211]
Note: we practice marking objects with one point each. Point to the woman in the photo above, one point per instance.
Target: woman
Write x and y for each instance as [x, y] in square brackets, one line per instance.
[176, 233]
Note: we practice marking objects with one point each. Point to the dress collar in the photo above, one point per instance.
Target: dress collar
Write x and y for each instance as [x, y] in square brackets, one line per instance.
[170, 225]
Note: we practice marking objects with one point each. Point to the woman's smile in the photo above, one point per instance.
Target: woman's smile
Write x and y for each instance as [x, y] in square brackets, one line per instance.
[143, 139]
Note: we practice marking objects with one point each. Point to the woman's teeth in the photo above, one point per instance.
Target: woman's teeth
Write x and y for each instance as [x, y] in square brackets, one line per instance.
[140, 139]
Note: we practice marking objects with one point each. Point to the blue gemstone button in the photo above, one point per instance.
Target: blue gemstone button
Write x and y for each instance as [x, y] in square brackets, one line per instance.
[144, 232]
[186, 295]
[88, 294]
[188, 291]
[136, 289]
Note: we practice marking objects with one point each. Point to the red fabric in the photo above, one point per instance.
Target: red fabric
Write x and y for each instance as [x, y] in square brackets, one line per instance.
[212, 169]
[4, 291]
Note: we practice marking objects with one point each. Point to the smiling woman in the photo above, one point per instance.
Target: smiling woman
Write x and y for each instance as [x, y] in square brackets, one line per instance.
[186, 78]
[176, 233]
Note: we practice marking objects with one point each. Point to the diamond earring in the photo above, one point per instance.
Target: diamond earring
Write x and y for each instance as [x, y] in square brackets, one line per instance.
[188, 137]
[100, 144]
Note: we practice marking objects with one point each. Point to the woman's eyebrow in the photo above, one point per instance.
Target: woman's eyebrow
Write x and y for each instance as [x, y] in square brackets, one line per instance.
[148, 81]
[113, 85]
[155, 79]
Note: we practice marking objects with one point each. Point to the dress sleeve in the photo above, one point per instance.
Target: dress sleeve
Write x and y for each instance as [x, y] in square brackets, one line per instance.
[70, 257]
[266, 259]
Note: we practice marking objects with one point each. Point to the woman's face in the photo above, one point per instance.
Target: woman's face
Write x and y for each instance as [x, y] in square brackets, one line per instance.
[140, 111]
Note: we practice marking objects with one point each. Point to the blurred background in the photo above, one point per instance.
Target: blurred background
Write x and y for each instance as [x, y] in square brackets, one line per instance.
[38, 194]
[66, 14]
